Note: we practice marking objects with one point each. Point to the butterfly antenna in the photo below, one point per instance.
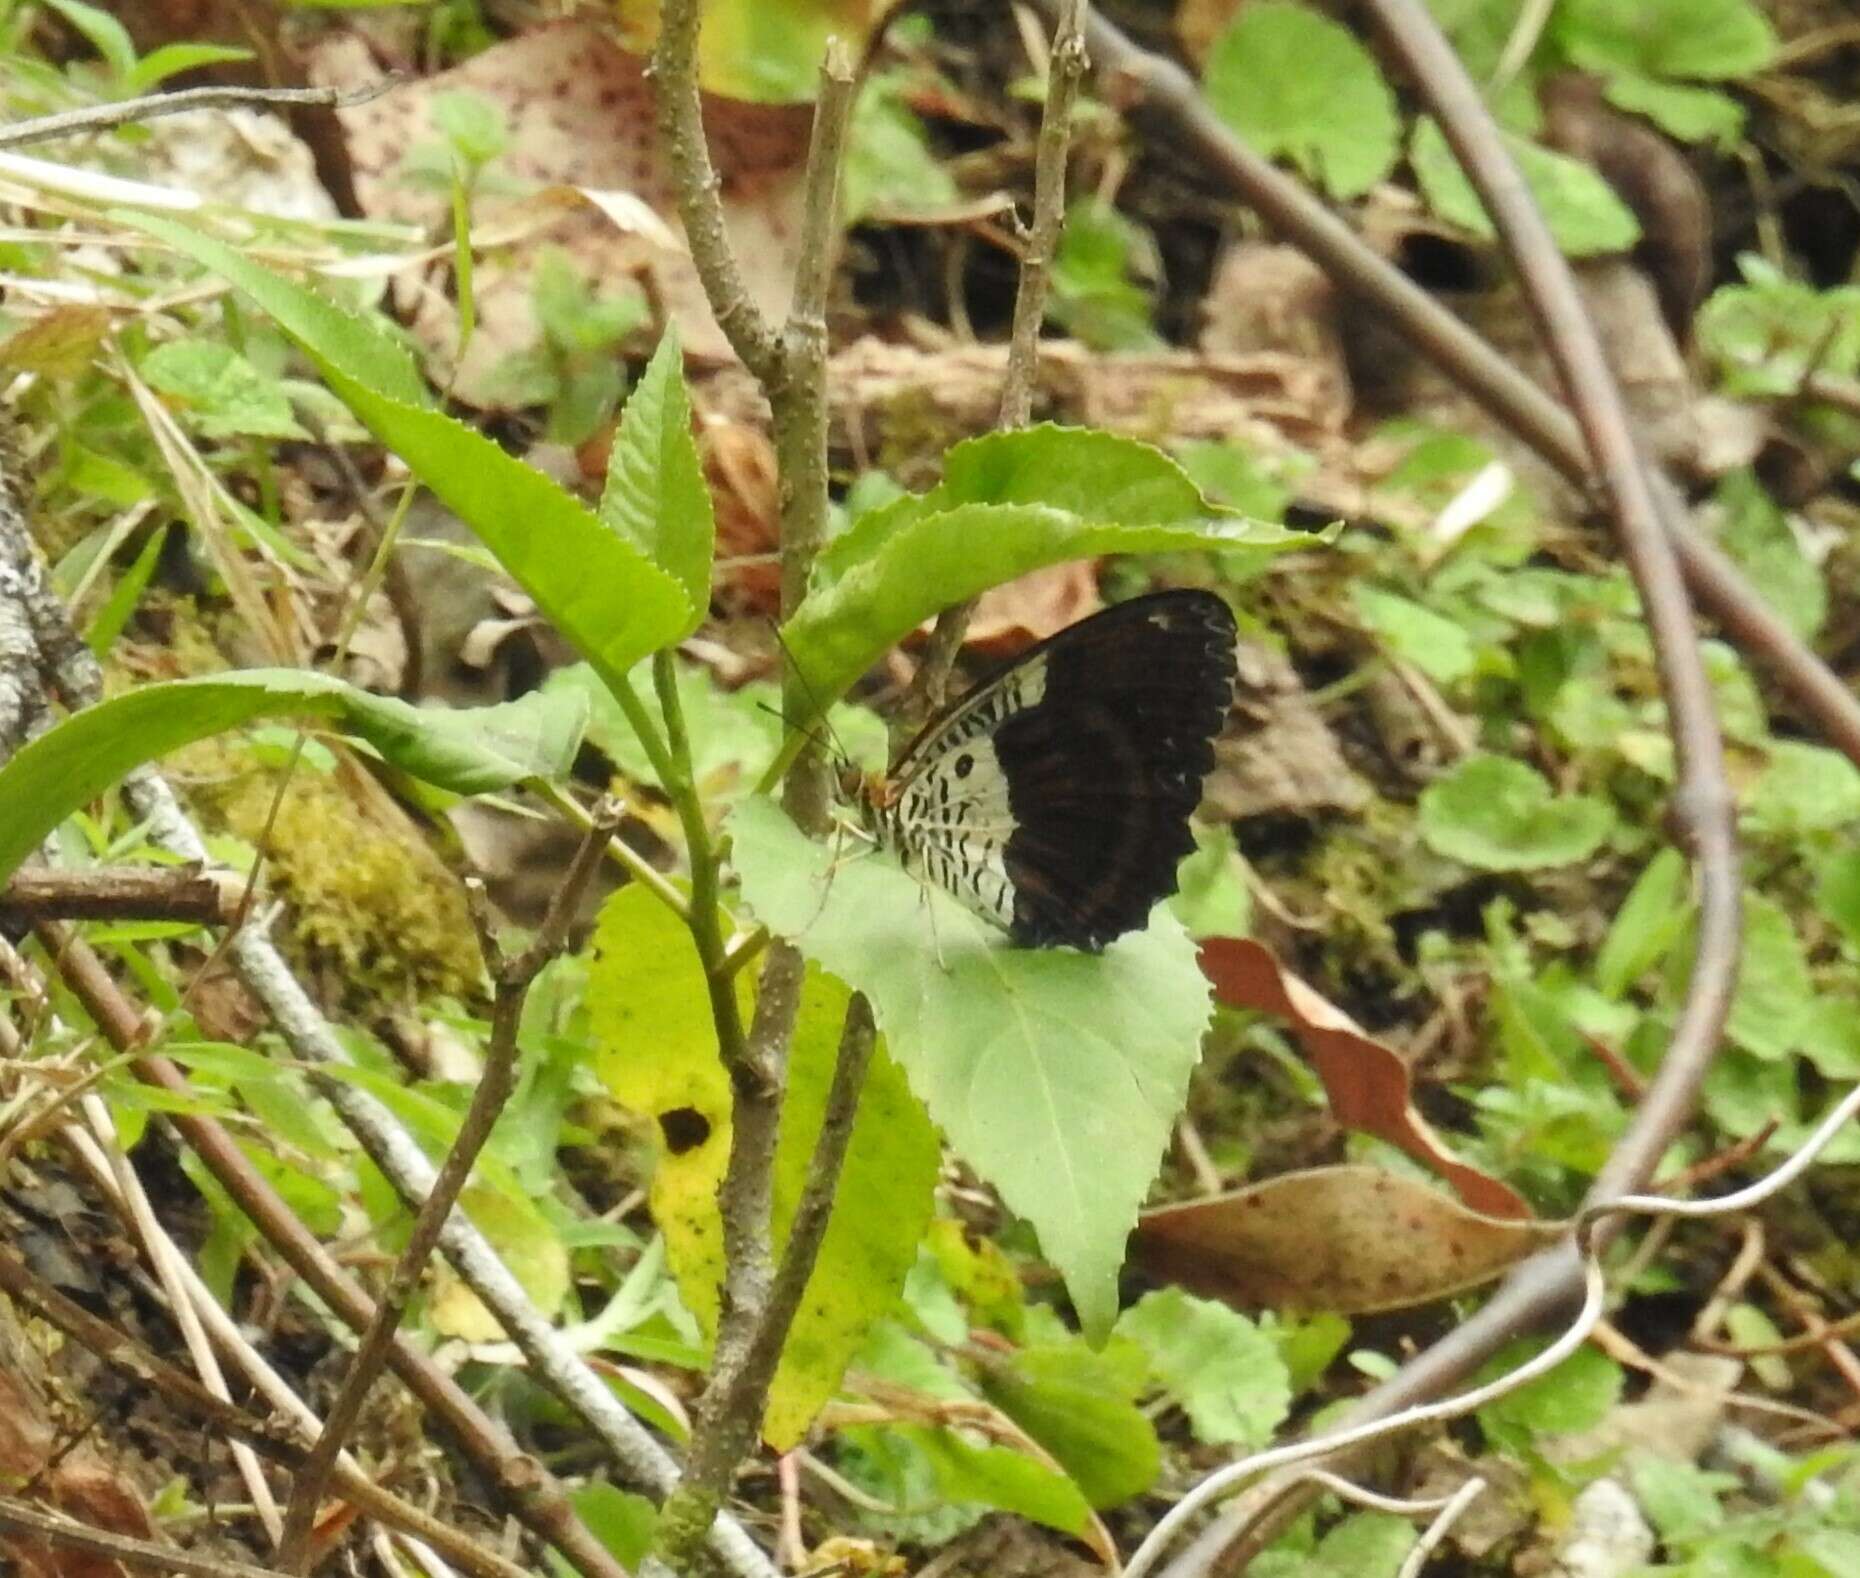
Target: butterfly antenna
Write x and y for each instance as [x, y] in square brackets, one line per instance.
[837, 748]
[818, 733]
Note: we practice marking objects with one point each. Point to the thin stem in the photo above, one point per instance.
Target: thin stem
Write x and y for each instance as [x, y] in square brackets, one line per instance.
[800, 415]
[623, 854]
[1702, 810]
[704, 915]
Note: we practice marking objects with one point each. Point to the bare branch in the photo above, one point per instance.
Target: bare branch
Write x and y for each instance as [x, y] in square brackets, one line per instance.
[495, 1083]
[752, 1324]
[37, 893]
[1702, 811]
[102, 117]
[799, 408]
[1065, 73]
[19, 1517]
[681, 135]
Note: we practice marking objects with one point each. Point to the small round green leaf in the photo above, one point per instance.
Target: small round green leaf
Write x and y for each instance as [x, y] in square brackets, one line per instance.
[1294, 82]
[1500, 815]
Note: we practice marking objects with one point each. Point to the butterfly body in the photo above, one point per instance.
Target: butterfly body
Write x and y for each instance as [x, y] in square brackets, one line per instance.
[1054, 798]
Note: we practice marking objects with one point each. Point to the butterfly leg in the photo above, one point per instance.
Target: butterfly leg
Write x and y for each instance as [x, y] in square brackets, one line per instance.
[842, 827]
[928, 903]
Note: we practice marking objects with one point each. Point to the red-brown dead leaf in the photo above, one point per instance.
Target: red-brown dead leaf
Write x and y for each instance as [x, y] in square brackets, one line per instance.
[1351, 1239]
[1012, 617]
[739, 465]
[579, 115]
[79, 1483]
[1367, 1083]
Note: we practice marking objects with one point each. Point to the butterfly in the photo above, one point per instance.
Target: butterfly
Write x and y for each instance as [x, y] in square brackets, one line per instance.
[1053, 798]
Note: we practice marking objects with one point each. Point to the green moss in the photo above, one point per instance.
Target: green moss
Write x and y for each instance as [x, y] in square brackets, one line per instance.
[365, 900]
[381, 911]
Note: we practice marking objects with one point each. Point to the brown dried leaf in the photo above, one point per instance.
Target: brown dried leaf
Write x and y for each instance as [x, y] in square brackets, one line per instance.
[78, 1482]
[60, 344]
[1012, 617]
[739, 465]
[579, 114]
[1350, 1239]
[1367, 1083]
[1277, 754]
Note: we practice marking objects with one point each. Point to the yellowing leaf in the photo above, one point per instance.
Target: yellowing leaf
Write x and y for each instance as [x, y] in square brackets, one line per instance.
[651, 1015]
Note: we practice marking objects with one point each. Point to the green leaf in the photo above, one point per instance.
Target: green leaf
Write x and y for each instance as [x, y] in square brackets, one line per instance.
[1366, 1545]
[1687, 113]
[1755, 534]
[1076, 1405]
[1769, 333]
[1774, 989]
[1102, 292]
[1099, 478]
[1710, 39]
[880, 1210]
[656, 493]
[1837, 893]
[102, 32]
[1437, 646]
[1583, 212]
[619, 1519]
[1296, 83]
[1576, 1395]
[1744, 1094]
[1680, 1500]
[597, 588]
[733, 734]
[1009, 503]
[1650, 918]
[1804, 789]
[1234, 474]
[1223, 1370]
[1212, 898]
[1836, 1551]
[1308, 1344]
[651, 1016]
[469, 751]
[170, 60]
[104, 478]
[889, 164]
[474, 125]
[1057, 1075]
[126, 594]
[223, 394]
[1000, 1477]
[1500, 815]
[1749, 1326]
[577, 320]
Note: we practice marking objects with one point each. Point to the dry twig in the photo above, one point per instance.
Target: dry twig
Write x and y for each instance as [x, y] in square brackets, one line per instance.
[1065, 72]
[513, 976]
[758, 1300]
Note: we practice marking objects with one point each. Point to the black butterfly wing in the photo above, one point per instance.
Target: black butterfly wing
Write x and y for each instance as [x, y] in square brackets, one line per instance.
[1104, 769]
